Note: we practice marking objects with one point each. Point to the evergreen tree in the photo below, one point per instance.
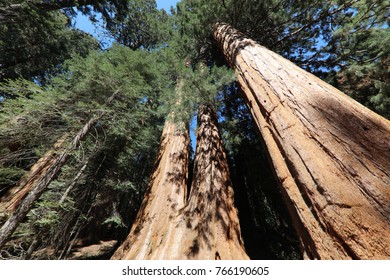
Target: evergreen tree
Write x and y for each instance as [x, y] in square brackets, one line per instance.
[358, 54]
[143, 26]
[34, 43]
[86, 85]
[110, 10]
[298, 117]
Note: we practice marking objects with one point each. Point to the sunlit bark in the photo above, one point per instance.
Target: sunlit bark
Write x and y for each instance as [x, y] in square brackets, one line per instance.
[155, 233]
[212, 225]
[330, 154]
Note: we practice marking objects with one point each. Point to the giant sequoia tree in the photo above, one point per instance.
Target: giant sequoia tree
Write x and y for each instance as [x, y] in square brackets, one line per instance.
[339, 193]
[328, 153]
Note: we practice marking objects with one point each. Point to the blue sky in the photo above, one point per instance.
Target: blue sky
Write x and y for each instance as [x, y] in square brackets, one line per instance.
[166, 4]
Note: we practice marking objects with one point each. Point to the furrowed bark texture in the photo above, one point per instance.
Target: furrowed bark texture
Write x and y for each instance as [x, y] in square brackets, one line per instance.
[204, 227]
[330, 154]
[155, 232]
[45, 178]
[211, 219]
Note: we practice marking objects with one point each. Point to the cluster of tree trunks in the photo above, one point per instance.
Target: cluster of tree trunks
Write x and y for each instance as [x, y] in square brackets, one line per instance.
[204, 226]
[211, 219]
[330, 154]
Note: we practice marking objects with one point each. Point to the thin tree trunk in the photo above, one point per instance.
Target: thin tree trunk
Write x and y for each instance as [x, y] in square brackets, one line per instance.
[330, 154]
[33, 246]
[74, 181]
[154, 234]
[45, 179]
[212, 224]
[77, 231]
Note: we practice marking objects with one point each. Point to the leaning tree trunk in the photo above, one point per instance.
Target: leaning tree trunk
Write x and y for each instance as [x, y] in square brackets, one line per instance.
[42, 182]
[16, 194]
[330, 154]
[154, 233]
[211, 219]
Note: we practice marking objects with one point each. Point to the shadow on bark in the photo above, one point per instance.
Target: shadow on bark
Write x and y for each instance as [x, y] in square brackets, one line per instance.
[266, 227]
[210, 211]
[236, 41]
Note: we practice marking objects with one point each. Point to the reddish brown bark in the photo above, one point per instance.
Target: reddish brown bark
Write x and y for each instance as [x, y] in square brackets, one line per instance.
[330, 154]
[16, 194]
[205, 227]
[211, 219]
[155, 232]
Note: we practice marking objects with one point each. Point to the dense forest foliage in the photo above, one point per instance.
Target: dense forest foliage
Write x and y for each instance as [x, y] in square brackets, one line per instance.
[58, 82]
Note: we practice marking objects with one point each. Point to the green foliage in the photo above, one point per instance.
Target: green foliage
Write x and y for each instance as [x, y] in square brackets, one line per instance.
[359, 54]
[198, 86]
[109, 10]
[283, 26]
[53, 79]
[29, 124]
[35, 42]
[142, 26]
[9, 176]
[342, 41]
[115, 220]
[119, 150]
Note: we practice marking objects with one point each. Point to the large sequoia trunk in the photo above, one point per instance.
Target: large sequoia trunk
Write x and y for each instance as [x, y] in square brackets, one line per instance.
[330, 154]
[38, 184]
[155, 233]
[212, 225]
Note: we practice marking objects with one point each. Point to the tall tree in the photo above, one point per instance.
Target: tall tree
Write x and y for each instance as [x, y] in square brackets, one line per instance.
[154, 233]
[162, 228]
[330, 153]
[213, 228]
[35, 43]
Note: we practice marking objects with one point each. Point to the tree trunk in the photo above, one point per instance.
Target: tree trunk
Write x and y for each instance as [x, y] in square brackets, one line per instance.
[330, 154]
[16, 194]
[74, 181]
[154, 234]
[212, 225]
[41, 183]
